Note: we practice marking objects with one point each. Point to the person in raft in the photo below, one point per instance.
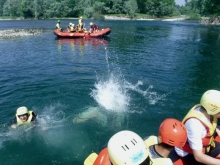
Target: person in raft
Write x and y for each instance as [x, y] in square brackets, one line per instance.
[71, 27]
[93, 27]
[202, 146]
[58, 27]
[172, 133]
[126, 147]
[23, 116]
[80, 26]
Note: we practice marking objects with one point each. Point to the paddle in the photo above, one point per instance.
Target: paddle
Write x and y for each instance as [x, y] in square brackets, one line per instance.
[90, 159]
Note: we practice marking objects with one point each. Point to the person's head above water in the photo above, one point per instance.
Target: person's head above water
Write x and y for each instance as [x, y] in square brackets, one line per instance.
[128, 148]
[22, 113]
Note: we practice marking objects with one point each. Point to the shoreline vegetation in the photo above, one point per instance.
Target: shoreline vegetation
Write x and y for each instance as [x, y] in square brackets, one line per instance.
[204, 20]
[109, 17]
[14, 33]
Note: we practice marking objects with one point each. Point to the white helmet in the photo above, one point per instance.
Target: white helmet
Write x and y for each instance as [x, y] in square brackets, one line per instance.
[91, 23]
[211, 101]
[126, 147]
[21, 111]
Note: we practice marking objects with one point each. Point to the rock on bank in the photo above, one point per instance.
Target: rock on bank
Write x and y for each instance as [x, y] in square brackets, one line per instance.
[211, 21]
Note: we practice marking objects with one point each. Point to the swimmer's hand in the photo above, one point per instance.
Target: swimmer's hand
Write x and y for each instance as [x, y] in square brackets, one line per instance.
[44, 128]
[14, 126]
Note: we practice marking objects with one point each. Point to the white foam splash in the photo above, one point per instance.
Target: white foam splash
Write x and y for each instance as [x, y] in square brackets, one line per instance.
[111, 95]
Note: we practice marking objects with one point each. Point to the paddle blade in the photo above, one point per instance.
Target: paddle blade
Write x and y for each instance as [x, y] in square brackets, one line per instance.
[90, 159]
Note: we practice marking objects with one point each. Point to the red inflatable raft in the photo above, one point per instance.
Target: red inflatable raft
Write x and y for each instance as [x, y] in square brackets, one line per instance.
[66, 34]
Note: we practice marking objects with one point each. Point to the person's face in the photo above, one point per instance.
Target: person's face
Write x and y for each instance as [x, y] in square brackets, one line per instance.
[23, 117]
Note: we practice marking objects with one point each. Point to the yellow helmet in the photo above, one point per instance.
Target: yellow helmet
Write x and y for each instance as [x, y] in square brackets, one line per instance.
[211, 101]
[126, 147]
[21, 111]
[80, 17]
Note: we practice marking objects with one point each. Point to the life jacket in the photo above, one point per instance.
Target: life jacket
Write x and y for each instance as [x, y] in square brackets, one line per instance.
[80, 21]
[153, 140]
[208, 139]
[58, 26]
[30, 116]
[71, 28]
[103, 158]
[80, 25]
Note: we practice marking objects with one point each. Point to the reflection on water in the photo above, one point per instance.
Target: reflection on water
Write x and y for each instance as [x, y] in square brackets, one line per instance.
[82, 43]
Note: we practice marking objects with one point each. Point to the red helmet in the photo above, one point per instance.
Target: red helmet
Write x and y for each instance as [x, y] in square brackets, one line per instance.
[172, 132]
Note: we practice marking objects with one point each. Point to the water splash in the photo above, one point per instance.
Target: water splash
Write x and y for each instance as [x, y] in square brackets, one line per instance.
[111, 94]
[52, 116]
[151, 97]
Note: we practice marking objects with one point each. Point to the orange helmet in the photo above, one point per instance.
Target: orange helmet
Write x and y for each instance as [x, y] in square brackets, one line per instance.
[172, 132]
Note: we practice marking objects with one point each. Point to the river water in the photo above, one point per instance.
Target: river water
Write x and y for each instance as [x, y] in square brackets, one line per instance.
[85, 90]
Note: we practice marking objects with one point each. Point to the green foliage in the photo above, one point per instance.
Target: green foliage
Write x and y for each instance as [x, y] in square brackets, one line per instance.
[88, 12]
[26, 8]
[11, 8]
[97, 8]
[158, 8]
[212, 7]
[131, 8]
[176, 12]
[116, 6]
[194, 16]
[98, 16]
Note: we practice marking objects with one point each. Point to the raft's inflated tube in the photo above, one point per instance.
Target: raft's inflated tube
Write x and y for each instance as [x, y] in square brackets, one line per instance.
[103, 158]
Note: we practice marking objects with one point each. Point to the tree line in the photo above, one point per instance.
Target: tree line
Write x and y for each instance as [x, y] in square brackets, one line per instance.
[96, 9]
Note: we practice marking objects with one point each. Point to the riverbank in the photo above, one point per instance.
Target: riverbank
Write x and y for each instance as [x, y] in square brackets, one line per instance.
[210, 20]
[181, 18]
[107, 17]
[204, 20]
